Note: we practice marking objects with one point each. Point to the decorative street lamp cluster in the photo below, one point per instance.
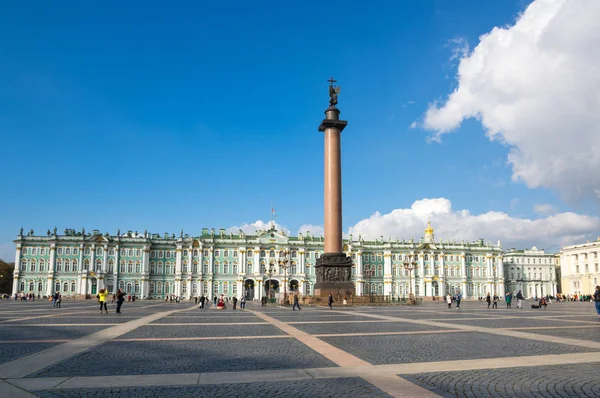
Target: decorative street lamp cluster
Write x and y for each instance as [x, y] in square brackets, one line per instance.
[370, 272]
[410, 266]
[283, 263]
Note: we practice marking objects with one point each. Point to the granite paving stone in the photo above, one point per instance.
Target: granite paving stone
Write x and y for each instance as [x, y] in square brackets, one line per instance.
[589, 333]
[12, 351]
[151, 357]
[370, 327]
[503, 323]
[579, 380]
[23, 332]
[106, 319]
[332, 388]
[203, 331]
[210, 319]
[388, 349]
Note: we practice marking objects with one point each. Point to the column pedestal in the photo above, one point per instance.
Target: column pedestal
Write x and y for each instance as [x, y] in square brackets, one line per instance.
[334, 275]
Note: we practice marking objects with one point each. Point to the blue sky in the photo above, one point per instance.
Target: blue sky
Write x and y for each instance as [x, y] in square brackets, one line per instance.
[145, 115]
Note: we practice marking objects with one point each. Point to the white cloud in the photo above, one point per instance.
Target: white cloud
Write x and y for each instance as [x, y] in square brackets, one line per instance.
[7, 252]
[544, 209]
[534, 86]
[549, 232]
[315, 230]
[258, 225]
[460, 48]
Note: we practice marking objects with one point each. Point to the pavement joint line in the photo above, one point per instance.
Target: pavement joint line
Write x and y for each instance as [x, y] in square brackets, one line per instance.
[13, 391]
[209, 324]
[41, 316]
[201, 338]
[367, 334]
[35, 341]
[365, 371]
[334, 354]
[32, 363]
[499, 331]
[60, 324]
[392, 386]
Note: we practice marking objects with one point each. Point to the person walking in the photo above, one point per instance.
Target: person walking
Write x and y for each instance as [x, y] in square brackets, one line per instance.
[196, 300]
[508, 300]
[458, 297]
[495, 301]
[102, 300]
[296, 304]
[58, 299]
[235, 300]
[519, 300]
[202, 300]
[120, 300]
[597, 300]
[54, 298]
[449, 300]
[215, 301]
[488, 300]
[243, 303]
[330, 301]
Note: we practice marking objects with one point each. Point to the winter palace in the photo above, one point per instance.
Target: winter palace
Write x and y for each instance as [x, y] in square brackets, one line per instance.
[267, 262]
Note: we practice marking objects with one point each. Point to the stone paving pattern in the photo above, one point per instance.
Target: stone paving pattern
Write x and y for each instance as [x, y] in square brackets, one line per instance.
[547, 381]
[444, 347]
[269, 348]
[150, 357]
[340, 387]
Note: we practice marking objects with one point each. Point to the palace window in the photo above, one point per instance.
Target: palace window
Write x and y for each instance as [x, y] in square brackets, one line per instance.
[168, 254]
[99, 251]
[167, 269]
[130, 252]
[59, 265]
[123, 252]
[151, 288]
[152, 267]
[66, 287]
[137, 287]
[225, 288]
[184, 288]
[67, 266]
[195, 267]
[138, 267]
[216, 268]
[185, 253]
[111, 252]
[194, 288]
[130, 267]
[205, 253]
[122, 266]
[272, 253]
[167, 288]
[160, 254]
[205, 268]
[33, 266]
[263, 268]
[111, 266]
[184, 267]
[195, 253]
[138, 252]
[57, 286]
[217, 252]
[42, 265]
[249, 268]
[159, 288]
[205, 288]
[226, 253]
[293, 268]
[226, 268]
[59, 251]
[98, 264]
[249, 253]
[235, 268]
[235, 253]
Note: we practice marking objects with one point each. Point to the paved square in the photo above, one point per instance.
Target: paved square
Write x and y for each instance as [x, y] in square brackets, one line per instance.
[168, 349]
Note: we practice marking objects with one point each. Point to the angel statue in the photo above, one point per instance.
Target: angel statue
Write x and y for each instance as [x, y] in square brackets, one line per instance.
[333, 92]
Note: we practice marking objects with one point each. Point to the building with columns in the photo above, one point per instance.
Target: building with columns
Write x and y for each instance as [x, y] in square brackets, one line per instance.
[532, 271]
[579, 268]
[267, 262]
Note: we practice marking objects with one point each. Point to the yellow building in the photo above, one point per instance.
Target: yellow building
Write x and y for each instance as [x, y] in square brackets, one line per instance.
[580, 273]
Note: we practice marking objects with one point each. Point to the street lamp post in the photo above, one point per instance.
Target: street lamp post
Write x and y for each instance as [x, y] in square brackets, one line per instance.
[410, 266]
[270, 275]
[284, 264]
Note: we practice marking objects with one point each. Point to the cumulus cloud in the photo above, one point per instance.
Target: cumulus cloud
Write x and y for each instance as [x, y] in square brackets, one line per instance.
[550, 232]
[315, 230]
[544, 209]
[534, 86]
[258, 225]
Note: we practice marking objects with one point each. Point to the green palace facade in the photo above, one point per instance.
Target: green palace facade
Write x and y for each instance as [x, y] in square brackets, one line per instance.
[265, 263]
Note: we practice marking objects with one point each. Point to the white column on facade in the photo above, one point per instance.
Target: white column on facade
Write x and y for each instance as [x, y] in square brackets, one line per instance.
[105, 259]
[178, 277]
[256, 262]
[51, 265]
[190, 260]
[422, 290]
[501, 278]
[463, 273]
[15, 288]
[387, 273]
[258, 286]
[359, 264]
[240, 287]
[92, 258]
[144, 286]
[211, 263]
[241, 263]
[302, 260]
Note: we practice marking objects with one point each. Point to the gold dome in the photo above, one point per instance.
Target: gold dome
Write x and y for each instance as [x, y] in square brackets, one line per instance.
[428, 230]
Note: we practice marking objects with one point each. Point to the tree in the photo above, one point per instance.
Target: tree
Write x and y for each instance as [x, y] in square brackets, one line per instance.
[6, 277]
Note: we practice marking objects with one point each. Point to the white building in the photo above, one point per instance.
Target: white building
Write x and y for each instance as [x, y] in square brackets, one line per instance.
[532, 271]
[579, 268]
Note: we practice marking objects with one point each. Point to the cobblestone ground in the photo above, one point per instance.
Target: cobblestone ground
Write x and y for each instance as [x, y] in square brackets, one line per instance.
[343, 387]
[280, 352]
[547, 381]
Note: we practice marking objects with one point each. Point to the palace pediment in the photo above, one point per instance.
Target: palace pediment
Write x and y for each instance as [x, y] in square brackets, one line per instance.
[272, 237]
[99, 239]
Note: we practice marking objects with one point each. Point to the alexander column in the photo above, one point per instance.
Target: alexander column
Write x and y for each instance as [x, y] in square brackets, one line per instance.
[333, 268]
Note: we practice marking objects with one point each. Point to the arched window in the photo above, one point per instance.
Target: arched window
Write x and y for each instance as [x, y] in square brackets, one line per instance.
[152, 267]
[194, 288]
[151, 287]
[137, 287]
[235, 267]
[86, 251]
[379, 270]
[249, 253]
[272, 253]
[216, 270]
[195, 267]
[184, 267]
[129, 288]
[73, 287]
[226, 253]
[168, 254]
[130, 252]
[111, 266]
[294, 254]
[57, 286]
[98, 264]
[226, 267]
[167, 288]
[262, 253]
[122, 286]
[22, 286]
[67, 265]
[205, 267]
[66, 287]
[40, 286]
[263, 268]
[167, 271]
[159, 288]
[31, 286]
[426, 258]
[184, 288]
[205, 288]
[42, 265]
[33, 266]
[59, 266]
[122, 266]
[130, 267]
[138, 267]
[225, 288]
[195, 253]
[249, 268]
[24, 265]
[293, 268]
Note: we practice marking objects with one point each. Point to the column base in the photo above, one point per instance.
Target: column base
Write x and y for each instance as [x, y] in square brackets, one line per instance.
[334, 273]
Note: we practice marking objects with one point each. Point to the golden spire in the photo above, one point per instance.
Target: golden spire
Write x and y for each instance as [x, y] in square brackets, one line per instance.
[428, 230]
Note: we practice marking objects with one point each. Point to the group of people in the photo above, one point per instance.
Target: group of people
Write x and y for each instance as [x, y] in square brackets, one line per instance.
[456, 299]
[220, 302]
[102, 297]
